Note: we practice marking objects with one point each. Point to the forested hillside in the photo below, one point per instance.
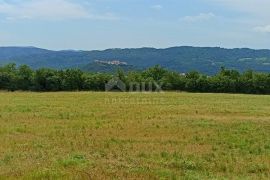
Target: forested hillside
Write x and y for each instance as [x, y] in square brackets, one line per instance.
[182, 59]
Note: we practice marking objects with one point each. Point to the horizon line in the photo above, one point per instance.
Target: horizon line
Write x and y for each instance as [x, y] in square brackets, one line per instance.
[131, 48]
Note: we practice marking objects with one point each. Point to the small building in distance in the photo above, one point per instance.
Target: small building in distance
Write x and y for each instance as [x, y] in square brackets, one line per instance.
[113, 62]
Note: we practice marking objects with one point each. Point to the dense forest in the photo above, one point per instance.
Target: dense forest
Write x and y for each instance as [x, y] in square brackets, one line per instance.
[24, 78]
[207, 60]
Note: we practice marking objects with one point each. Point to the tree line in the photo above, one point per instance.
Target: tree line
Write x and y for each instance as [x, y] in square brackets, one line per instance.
[13, 78]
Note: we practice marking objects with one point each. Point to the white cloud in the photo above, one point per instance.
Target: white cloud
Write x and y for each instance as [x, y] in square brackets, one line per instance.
[255, 12]
[48, 10]
[200, 17]
[263, 29]
[157, 7]
[255, 7]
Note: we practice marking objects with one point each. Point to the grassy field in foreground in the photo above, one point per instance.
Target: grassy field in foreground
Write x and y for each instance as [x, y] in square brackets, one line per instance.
[136, 136]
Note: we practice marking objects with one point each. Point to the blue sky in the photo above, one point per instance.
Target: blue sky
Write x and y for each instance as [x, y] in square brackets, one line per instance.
[102, 24]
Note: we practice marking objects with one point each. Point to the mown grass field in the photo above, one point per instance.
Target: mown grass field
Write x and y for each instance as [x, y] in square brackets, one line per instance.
[85, 135]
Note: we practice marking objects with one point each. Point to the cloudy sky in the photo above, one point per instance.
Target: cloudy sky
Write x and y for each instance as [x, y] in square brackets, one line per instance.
[101, 24]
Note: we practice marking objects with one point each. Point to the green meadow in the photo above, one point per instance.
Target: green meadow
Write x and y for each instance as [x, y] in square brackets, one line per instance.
[89, 135]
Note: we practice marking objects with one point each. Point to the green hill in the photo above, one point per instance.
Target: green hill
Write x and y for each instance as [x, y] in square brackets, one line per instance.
[182, 59]
[106, 68]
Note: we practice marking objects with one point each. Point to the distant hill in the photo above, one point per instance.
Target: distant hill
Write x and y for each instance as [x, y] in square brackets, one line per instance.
[106, 68]
[183, 59]
[11, 54]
